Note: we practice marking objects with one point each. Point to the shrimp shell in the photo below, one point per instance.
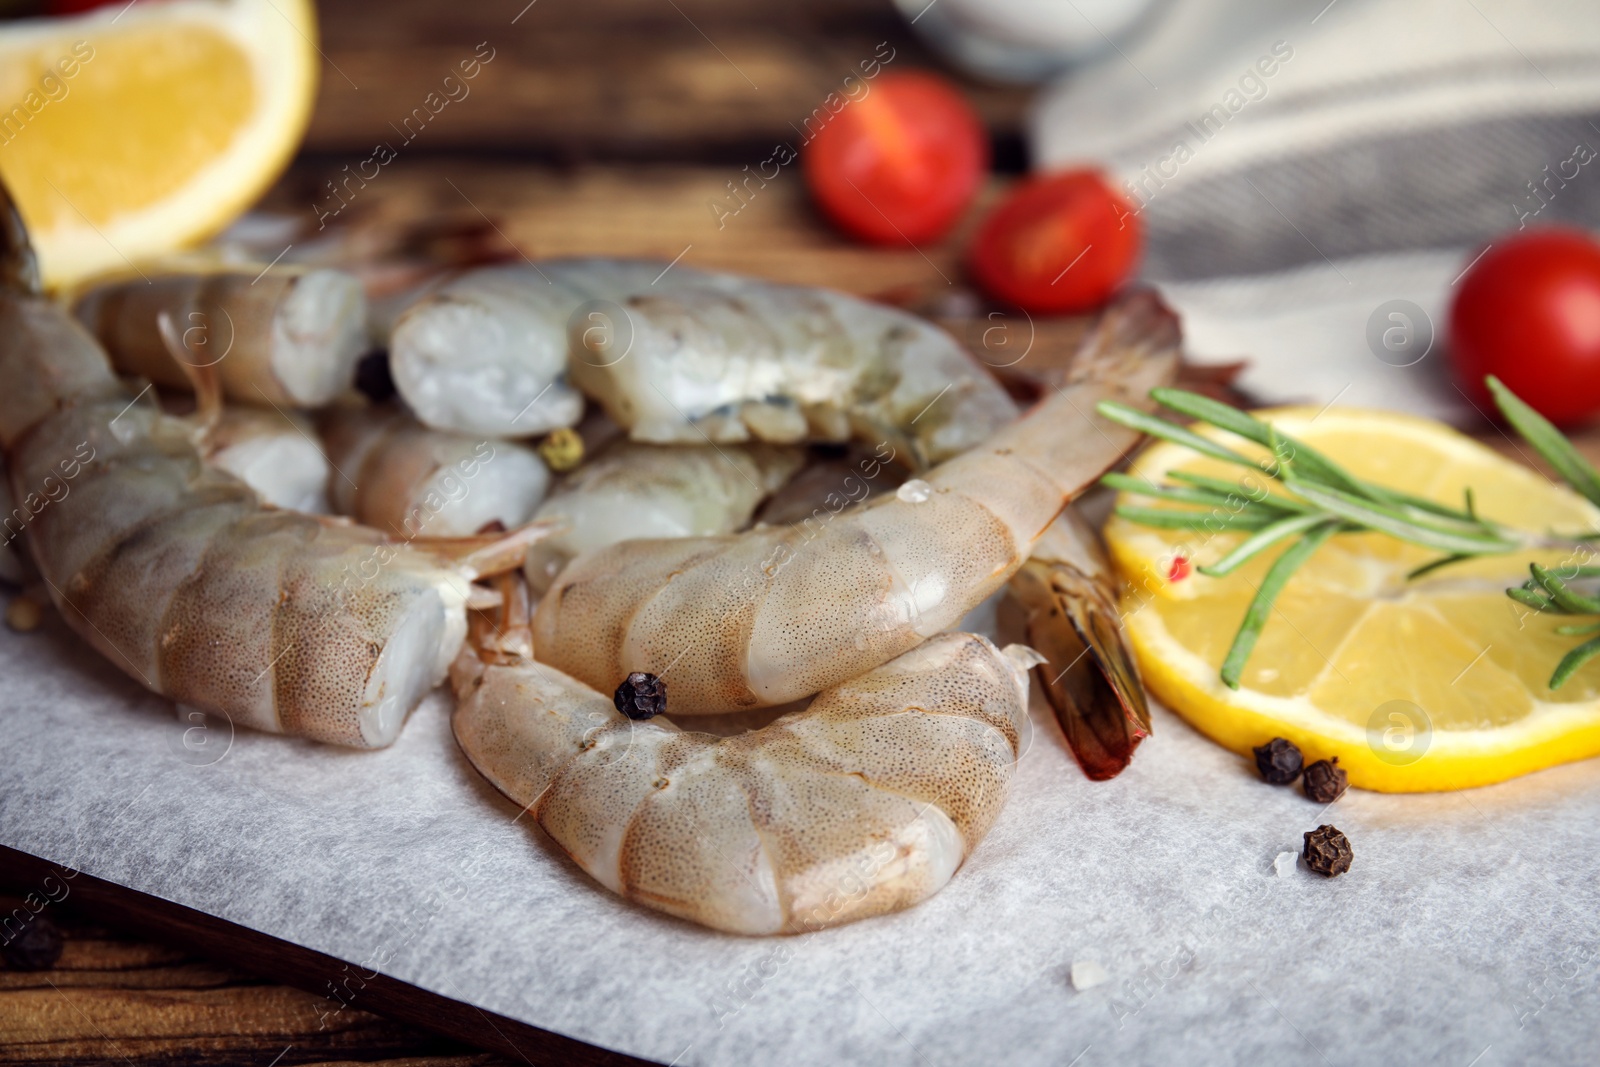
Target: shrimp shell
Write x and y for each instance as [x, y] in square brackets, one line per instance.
[866, 802]
[399, 476]
[633, 490]
[177, 573]
[772, 615]
[281, 335]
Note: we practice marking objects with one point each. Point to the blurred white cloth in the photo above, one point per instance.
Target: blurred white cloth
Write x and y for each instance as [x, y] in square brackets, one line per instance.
[1299, 167]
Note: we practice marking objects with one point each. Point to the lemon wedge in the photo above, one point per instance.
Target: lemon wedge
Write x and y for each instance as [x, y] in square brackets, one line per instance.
[132, 131]
[1418, 684]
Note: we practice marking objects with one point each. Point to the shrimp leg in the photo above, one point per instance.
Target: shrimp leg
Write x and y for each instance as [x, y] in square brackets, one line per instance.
[1069, 593]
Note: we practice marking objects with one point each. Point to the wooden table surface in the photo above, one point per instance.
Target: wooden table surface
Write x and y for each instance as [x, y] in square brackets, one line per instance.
[602, 127]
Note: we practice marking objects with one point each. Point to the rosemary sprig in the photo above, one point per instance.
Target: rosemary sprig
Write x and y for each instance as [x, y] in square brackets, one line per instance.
[1317, 499]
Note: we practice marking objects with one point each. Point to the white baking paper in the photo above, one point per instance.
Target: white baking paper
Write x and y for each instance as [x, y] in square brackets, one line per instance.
[1465, 933]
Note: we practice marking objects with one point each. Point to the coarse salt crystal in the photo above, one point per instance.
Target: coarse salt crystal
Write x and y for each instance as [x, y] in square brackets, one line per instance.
[1086, 974]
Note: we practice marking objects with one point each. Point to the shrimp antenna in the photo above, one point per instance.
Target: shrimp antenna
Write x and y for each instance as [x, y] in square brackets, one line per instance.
[19, 267]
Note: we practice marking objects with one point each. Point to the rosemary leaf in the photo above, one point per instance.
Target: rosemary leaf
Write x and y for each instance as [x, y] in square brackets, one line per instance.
[1218, 414]
[1578, 628]
[1528, 598]
[1260, 542]
[1565, 598]
[1306, 461]
[1548, 442]
[1175, 519]
[1407, 528]
[1573, 660]
[1135, 419]
[1435, 564]
[1177, 494]
[1255, 617]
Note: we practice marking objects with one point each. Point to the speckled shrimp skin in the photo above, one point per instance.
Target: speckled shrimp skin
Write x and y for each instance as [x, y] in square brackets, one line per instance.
[181, 577]
[773, 615]
[866, 802]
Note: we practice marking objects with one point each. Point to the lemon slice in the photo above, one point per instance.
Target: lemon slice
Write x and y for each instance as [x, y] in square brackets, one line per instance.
[1425, 684]
[131, 131]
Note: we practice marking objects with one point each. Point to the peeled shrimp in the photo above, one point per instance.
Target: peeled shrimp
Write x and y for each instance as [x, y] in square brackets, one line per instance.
[283, 335]
[736, 359]
[273, 452]
[772, 615]
[486, 353]
[176, 572]
[396, 475]
[864, 803]
[682, 356]
[632, 490]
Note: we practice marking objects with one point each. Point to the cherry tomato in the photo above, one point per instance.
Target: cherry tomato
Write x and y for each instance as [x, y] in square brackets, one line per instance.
[1058, 242]
[1528, 312]
[900, 163]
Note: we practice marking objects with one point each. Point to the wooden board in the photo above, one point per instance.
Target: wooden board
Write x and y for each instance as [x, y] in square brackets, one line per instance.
[171, 985]
[611, 79]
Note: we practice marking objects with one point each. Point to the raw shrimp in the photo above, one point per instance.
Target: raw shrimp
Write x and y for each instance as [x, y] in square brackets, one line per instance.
[14, 565]
[283, 335]
[397, 475]
[737, 359]
[683, 356]
[177, 573]
[486, 353]
[632, 490]
[864, 803]
[772, 615]
[1069, 592]
[273, 452]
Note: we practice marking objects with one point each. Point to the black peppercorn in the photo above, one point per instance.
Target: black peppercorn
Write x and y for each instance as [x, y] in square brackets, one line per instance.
[641, 696]
[1327, 851]
[1325, 782]
[1278, 761]
[373, 377]
[36, 947]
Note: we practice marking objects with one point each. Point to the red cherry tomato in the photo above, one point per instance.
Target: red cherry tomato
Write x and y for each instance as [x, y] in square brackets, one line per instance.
[900, 163]
[1058, 242]
[1528, 312]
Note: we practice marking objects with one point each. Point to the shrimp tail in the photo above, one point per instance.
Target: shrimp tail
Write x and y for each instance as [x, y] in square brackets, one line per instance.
[1089, 675]
[1136, 332]
[204, 380]
[19, 266]
[486, 555]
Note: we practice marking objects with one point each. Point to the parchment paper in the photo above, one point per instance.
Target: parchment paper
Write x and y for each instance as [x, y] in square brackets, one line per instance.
[1465, 933]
